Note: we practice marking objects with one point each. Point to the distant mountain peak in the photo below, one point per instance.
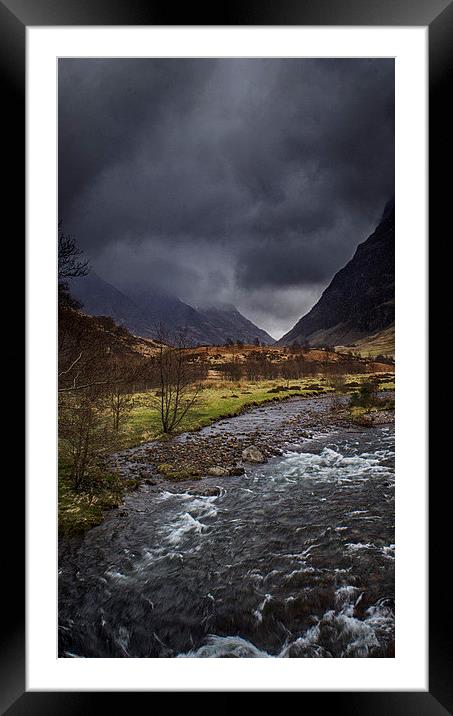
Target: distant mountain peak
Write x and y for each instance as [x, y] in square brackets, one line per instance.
[143, 310]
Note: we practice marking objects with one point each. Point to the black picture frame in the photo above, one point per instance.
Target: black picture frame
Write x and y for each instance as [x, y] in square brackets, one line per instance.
[15, 17]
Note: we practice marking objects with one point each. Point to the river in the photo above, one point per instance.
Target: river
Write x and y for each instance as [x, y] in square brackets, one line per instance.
[294, 558]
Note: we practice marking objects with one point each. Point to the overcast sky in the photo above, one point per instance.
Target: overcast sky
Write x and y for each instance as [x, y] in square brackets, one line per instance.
[246, 181]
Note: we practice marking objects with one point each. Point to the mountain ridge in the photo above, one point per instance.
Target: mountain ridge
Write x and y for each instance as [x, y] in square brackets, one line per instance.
[143, 312]
[359, 301]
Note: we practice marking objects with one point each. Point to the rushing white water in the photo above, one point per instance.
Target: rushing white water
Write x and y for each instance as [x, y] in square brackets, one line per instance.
[293, 559]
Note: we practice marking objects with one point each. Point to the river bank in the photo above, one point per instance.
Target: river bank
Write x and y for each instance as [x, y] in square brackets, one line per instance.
[217, 450]
[251, 436]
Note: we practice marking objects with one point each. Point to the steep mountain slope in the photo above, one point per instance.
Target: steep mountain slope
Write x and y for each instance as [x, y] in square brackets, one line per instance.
[142, 312]
[360, 300]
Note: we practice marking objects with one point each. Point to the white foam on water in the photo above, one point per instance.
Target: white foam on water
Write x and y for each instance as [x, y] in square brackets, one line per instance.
[353, 637]
[357, 546]
[331, 466]
[226, 646]
[115, 575]
[389, 551]
[301, 555]
[371, 518]
[258, 612]
[360, 636]
[346, 595]
[203, 507]
[184, 525]
[122, 639]
[381, 617]
[302, 570]
[166, 495]
[196, 500]
[338, 633]
[299, 646]
[196, 509]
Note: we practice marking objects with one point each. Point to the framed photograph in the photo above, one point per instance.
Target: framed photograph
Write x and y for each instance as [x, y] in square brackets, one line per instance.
[227, 354]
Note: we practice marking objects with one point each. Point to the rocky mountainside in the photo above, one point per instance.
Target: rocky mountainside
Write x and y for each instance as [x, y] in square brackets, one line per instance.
[360, 300]
[143, 311]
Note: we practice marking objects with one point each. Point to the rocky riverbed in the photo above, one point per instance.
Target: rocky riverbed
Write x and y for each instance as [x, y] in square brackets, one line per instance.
[253, 437]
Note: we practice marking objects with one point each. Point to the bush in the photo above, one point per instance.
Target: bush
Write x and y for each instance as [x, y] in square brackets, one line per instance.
[366, 396]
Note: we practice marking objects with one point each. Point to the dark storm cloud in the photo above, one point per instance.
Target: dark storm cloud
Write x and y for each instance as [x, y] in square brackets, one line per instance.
[251, 181]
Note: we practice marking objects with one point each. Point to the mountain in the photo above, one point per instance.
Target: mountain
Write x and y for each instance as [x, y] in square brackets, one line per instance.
[360, 300]
[143, 311]
[100, 298]
[234, 325]
[163, 309]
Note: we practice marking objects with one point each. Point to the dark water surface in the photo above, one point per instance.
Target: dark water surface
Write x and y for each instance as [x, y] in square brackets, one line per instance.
[293, 559]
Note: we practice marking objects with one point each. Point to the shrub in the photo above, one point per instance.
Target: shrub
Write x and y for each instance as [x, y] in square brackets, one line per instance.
[366, 396]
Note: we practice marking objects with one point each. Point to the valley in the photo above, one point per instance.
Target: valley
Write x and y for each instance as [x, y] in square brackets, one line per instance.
[226, 363]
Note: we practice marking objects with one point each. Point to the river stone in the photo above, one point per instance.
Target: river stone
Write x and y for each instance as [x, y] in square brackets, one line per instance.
[205, 492]
[236, 470]
[252, 454]
[217, 471]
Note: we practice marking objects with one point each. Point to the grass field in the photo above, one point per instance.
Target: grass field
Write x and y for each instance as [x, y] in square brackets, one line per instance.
[223, 399]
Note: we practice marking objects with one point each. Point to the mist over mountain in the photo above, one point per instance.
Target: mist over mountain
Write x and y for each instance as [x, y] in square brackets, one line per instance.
[360, 300]
[246, 180]
[146, 312]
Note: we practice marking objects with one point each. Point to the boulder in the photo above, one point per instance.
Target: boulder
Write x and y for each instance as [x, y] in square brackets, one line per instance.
[218, 471]
[205, 492]
[252, 454]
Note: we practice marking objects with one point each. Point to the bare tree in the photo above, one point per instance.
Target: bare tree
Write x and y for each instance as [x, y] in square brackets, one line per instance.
[121, 403]
[97, 373]
[178, 378]
[92, 351]
[86, 433]
[70, 265]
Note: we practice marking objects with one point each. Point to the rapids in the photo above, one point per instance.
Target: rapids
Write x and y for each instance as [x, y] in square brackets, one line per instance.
[295, 558]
